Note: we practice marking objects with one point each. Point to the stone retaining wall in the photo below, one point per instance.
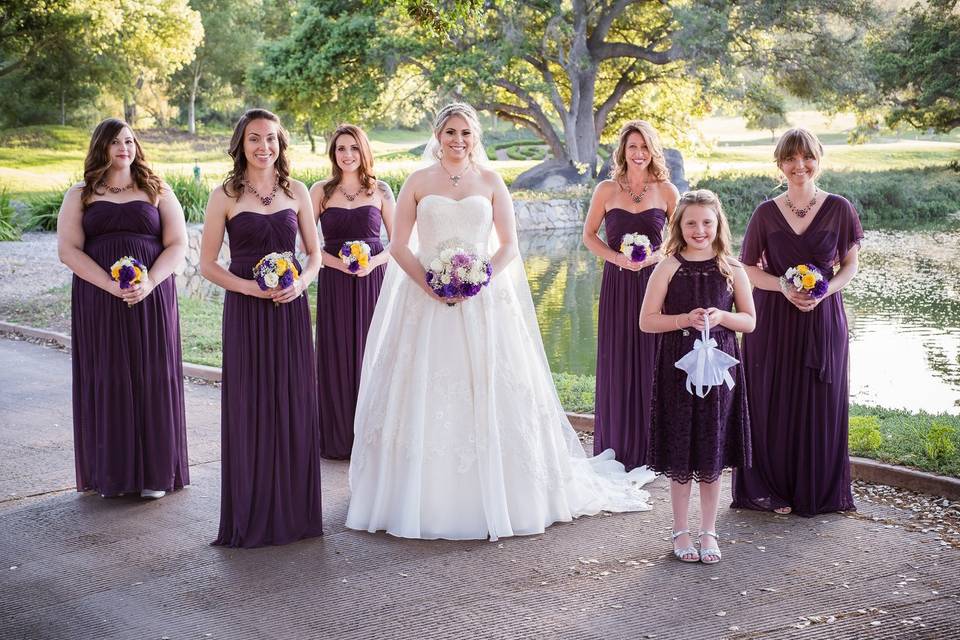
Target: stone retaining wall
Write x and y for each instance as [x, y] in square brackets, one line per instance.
[189, 280]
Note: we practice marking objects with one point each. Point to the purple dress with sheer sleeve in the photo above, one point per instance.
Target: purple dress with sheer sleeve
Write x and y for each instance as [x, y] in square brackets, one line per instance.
[690, 436]
[624, 353]
[796, 368]
[270, 472]
[345, 305]
[129, 425]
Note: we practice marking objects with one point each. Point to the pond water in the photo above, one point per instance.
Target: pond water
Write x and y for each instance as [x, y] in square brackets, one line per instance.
[903, 310]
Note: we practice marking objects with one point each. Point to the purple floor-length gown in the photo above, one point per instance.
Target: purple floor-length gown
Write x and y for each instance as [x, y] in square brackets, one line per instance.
[271, 459]
[624, 353]
[693, 437]
[128, 414]
[796, 367]
[345, 306]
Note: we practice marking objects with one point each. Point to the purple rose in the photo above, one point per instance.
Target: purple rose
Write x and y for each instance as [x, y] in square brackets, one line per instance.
[127, 275]
[353, 267]
[638, 253]
[430, 277]
[460, 260]
[260, 283]
[820, 289]
[345, 249]
[448, 291]
[286, 279]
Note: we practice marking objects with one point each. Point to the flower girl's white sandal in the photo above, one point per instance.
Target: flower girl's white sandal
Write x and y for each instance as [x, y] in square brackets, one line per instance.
[686, 551]
[709, 556]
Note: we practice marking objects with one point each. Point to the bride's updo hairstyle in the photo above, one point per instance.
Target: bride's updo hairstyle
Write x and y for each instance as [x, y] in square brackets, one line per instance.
[469, 114]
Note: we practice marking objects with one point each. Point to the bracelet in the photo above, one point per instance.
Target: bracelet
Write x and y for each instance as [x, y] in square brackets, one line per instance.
[676, 322]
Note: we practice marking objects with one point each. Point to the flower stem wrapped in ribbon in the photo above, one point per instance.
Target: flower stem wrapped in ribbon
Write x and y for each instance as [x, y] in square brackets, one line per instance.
[706, 365]
[276, 271]
[456, 273]
[635, 246]
[807, 278]
[128, 271]
[355, 254]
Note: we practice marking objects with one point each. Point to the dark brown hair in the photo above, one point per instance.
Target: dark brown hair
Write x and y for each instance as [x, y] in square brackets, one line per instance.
[233, 183]
[98, 161]
[368, 181]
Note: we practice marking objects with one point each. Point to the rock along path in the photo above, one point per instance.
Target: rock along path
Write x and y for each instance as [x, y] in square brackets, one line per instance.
[75, 566]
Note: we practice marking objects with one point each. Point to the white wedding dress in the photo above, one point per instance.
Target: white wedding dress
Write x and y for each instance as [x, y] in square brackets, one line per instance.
[459, 433]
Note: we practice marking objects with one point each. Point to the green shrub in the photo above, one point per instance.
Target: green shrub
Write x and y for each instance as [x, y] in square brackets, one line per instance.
[191, 193]
[43, 209]
[900, 195]
[9, 229]
[864, 435]
[938, 442]
[576, 392]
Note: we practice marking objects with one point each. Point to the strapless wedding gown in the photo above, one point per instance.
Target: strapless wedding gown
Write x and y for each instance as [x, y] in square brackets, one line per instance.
[459, 433]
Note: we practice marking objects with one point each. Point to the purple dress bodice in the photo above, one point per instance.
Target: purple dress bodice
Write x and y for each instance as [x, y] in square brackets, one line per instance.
[619, 222]
[339, 225]
[135, 220]
[254, 235]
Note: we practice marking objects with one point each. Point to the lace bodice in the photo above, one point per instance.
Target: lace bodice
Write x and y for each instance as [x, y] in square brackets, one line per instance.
[442, 221]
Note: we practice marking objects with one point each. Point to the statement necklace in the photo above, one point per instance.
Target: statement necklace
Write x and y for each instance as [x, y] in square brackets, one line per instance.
[349, 196]
[115, 190]
[455, 179]
[801, 212]
[266, 200]
[637, 198]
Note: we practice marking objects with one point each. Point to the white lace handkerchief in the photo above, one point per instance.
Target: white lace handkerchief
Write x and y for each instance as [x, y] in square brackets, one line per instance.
[706, 365]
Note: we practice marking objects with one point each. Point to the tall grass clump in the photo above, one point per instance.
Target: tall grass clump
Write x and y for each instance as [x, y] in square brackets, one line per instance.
[43, 209]
[9, 229]
[191, 193]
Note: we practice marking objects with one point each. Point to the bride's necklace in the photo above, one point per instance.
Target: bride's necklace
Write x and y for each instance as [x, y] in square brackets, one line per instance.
[349, 196]
[455, 179]
[638, 197]
[265, 200]
[114, 190]
[802, 211]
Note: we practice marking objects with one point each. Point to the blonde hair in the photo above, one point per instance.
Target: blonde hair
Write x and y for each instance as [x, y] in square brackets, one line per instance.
[469, 114]
[798, 140]
[658, 163]
[721, 243]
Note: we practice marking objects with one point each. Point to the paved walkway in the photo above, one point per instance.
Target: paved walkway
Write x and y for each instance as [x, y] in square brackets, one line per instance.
[75, 566]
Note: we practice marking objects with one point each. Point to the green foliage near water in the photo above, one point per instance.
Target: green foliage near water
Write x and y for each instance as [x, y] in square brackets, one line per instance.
[898, 196]
[864, 435]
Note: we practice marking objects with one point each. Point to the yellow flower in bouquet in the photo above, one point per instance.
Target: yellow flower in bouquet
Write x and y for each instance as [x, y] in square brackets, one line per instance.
[281, 267]
[356, 250]
[809, 281]
[803, 270]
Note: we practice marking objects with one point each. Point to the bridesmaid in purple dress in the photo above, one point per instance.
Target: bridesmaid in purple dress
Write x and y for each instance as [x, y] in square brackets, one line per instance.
[351, 205]
[796, 361]
[637, 199]
[270, 454]
[693, 437]
[128, 414]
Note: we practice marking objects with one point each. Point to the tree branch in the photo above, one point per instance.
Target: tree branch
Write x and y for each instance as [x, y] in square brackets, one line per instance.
[608, 50]
[605, 22]
[544, 69]
[624, 84]
[540, 125]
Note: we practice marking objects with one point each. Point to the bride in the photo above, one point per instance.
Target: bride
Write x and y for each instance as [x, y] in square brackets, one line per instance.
[459, 433]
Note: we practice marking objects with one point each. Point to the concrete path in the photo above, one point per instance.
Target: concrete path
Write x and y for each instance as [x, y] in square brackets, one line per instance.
[75, 566]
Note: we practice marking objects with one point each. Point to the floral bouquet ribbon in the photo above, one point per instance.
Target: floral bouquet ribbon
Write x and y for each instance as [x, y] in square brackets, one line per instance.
[706, 365]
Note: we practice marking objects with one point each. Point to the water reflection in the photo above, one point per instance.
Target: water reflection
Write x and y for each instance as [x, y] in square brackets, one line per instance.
[904, 310]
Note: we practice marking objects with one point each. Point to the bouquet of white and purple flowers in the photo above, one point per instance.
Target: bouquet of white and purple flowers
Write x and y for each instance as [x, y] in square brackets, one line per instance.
[276, 271]
[807, 278]
[456, 273]
[128, 271]
[635, 246]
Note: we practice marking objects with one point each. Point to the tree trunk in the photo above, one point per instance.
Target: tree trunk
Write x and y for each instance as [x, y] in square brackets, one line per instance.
[63, 107]
[129, 111]
[192, 109]
[308, 129]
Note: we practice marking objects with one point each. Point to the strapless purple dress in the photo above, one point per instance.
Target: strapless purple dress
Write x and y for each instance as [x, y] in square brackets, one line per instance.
[271, 459]
[345, 305]
[128, 415]
[624, 353]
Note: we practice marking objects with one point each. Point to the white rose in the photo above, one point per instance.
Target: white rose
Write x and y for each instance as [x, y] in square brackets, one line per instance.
[446, 255]
[436, 266]
[271, 280]
[462, 273]
[445, 279]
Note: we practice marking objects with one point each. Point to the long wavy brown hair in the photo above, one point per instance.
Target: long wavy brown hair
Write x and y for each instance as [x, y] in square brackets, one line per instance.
[233, 183]
[721, 244]
[368, 181]
[98, 161]
[658, 163]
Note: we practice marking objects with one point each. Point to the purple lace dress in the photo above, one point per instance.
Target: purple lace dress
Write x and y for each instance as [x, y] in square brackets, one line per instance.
[624, 353]
[345, 305]
[796, 366]
[693, 437]
[270, 472]
[129, 428]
